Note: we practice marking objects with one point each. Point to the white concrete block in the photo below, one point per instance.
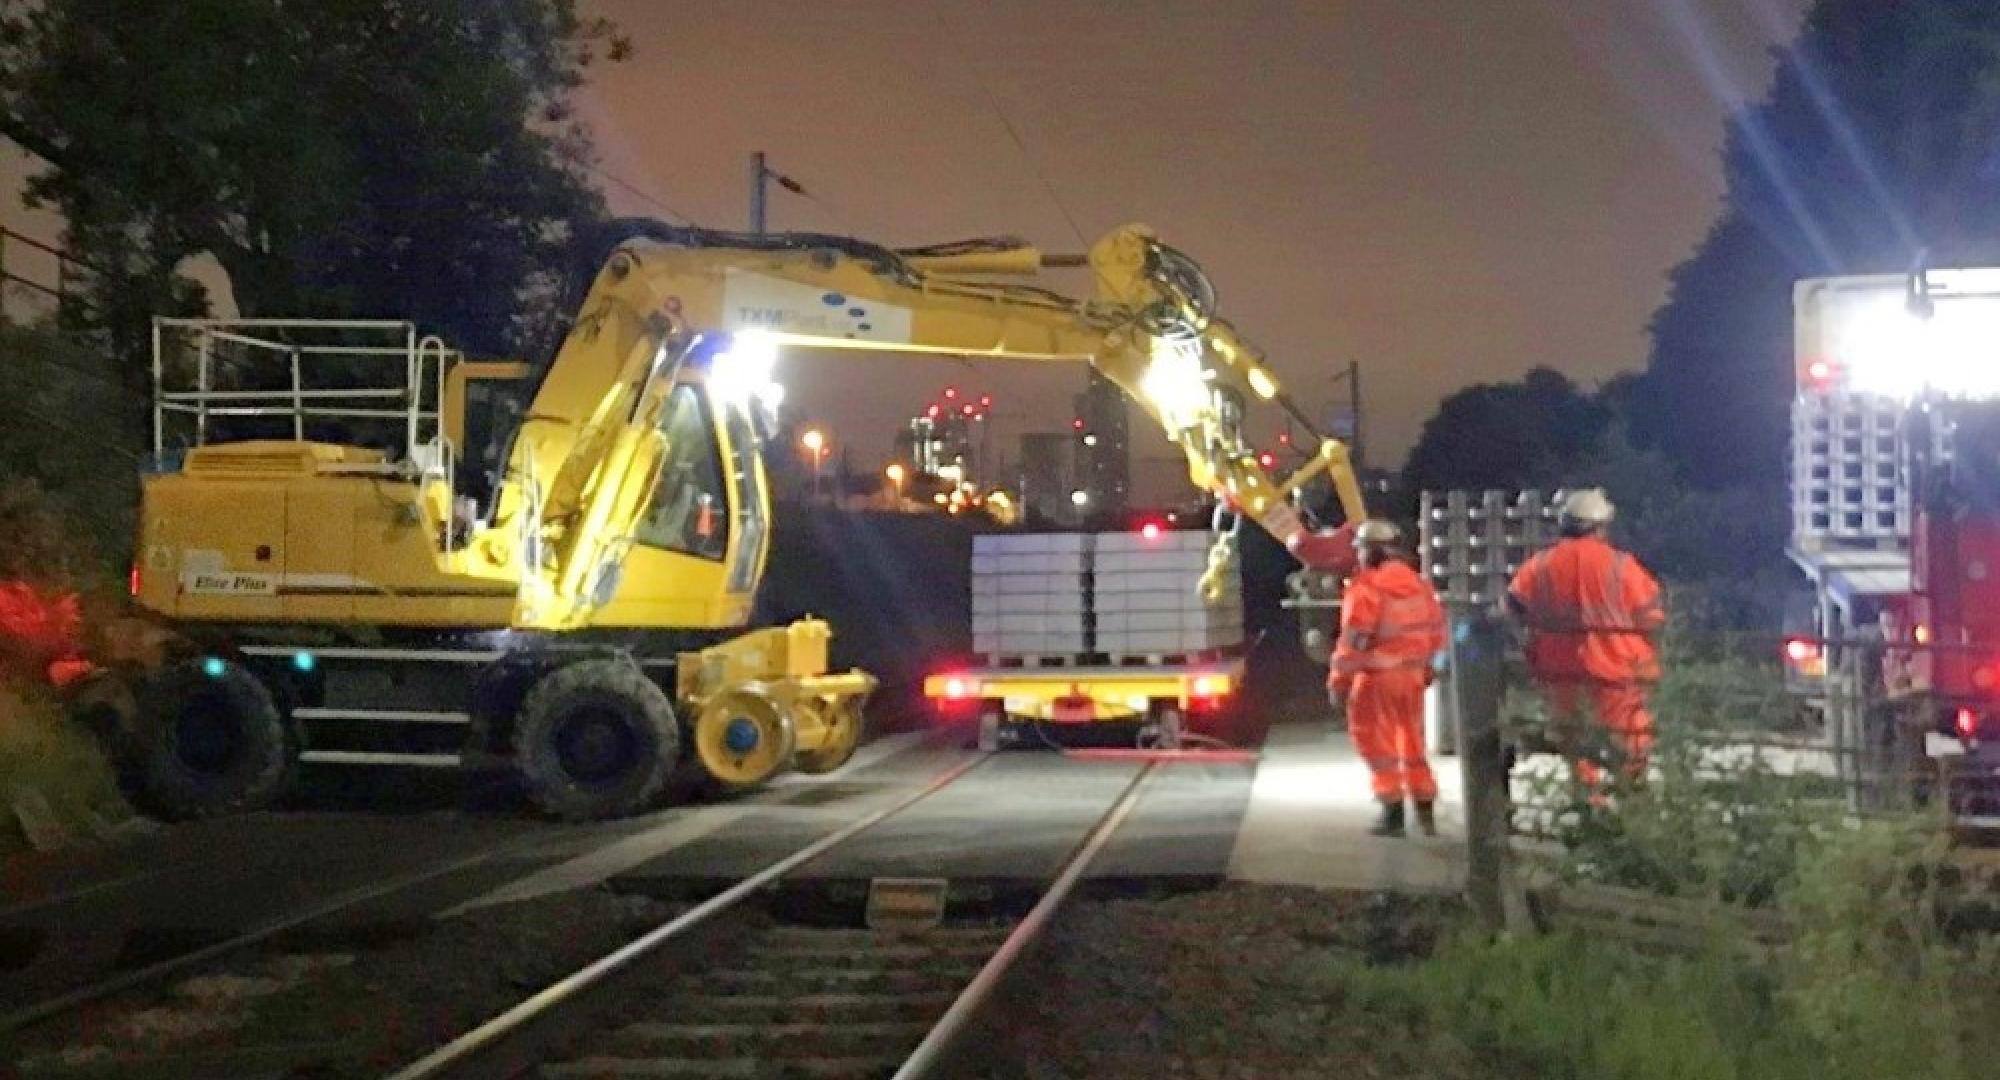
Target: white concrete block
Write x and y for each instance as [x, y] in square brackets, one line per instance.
[1031, 543]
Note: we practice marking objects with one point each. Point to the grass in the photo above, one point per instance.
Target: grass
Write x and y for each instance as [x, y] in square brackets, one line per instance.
[1875, 982]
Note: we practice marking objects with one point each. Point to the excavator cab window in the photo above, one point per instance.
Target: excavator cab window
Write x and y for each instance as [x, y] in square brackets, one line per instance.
[690, 507]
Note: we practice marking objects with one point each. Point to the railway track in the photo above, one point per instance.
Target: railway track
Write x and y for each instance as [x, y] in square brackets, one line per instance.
[791, 1002]
[56, 1004]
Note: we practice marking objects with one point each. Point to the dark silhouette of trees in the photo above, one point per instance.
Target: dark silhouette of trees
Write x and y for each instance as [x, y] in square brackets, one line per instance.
[1879, 137]
[385, 158]
[1529, 434]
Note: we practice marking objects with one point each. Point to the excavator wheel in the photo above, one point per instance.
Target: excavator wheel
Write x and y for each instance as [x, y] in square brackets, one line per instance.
[742, 738]
[843, 724]
[213, 742]
[596, 739]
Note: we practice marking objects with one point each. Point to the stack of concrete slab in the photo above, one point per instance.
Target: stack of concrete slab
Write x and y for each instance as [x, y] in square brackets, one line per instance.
[1031, 594]
[1145, 599]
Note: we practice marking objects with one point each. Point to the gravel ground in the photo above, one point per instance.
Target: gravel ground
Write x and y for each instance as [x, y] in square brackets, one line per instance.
[364, 1005]
[1225, 984]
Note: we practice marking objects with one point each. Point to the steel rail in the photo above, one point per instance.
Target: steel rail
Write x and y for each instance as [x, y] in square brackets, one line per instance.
[465, 1048]
[83, 995]
[930, 1053]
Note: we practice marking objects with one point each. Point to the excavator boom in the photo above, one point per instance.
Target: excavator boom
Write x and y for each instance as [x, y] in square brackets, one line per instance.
[726, 305]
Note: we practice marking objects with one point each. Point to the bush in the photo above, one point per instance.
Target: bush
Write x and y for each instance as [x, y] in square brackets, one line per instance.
[1879, 980]
[47, 759]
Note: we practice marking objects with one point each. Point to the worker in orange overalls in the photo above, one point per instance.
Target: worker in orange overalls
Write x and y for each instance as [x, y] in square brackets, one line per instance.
[1391, 627]
[1591, 612]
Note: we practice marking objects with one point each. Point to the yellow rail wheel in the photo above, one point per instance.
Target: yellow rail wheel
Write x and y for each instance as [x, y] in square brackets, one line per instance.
[742, 738]
[841, 720]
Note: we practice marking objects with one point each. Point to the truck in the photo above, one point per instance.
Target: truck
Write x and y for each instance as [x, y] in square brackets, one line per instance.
[1896, 526]
[367, 548]
[1087, 636]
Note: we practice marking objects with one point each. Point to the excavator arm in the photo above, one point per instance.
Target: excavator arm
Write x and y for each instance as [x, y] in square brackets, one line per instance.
[675, 305]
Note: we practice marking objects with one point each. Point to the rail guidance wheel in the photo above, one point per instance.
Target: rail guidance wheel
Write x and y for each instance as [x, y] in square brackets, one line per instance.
[214, 742]
[843, 724]
[742, 738]
[596, 739]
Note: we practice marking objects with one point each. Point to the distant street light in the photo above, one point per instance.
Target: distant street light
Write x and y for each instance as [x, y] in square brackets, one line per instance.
[815, 442]
[1079, 498]
[896, 475]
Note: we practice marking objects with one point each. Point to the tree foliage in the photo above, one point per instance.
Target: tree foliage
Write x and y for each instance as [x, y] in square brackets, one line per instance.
[1879, 138]
[398, 158]
[1529, 434]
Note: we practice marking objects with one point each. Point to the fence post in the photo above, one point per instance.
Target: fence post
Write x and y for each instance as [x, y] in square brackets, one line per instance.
[1478, 655]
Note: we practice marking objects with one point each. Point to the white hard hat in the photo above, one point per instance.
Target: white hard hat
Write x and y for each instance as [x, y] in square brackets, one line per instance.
[1589, 506]
[1377, 531]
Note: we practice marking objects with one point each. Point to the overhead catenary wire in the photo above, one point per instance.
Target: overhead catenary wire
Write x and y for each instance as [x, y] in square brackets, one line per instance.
[1006, 123]
[638, 192]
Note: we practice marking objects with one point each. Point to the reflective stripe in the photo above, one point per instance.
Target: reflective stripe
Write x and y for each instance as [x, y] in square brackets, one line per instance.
[1551, 614]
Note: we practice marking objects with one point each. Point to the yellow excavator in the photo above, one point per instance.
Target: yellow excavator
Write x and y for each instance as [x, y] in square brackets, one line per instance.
[378, 551]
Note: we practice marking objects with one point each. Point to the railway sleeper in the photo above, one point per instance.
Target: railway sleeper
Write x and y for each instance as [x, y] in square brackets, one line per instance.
[830, 1068]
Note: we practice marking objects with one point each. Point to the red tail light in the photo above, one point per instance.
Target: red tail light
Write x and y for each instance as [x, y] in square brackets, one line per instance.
[1208, 692]
[134, 581]
[1802, 650]
[1150, 530]
[1967, 723]
[957, 689]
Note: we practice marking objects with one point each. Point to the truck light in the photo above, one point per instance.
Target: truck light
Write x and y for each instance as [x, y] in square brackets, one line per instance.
[1150, 530]
[958, 689]
[1801, 650]
[1211, 686]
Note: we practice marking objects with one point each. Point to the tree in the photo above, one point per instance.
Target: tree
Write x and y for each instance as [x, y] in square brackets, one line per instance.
[1875, 141]
[1530, 434]
[406, 158]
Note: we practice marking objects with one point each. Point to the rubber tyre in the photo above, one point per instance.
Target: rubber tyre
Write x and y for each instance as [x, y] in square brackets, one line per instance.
[596, 739]
[212, 744]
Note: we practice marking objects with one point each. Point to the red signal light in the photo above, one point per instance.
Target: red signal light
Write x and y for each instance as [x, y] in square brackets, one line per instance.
[985, 401]
[1285, 438]
[1267, 459]
[965, 410]
[951, 393]
[1077, 423]
[932, 412]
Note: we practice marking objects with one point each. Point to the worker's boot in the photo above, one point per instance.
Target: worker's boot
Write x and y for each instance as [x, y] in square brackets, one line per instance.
[1427, 819]
[1390, 821]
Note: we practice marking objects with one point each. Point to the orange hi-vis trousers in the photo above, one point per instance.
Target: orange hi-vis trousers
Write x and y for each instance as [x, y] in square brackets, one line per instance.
[1385, 717]
[1619, 706]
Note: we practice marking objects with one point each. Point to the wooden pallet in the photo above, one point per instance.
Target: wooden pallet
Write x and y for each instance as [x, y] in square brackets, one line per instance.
[1167, 659]
[1034, 660]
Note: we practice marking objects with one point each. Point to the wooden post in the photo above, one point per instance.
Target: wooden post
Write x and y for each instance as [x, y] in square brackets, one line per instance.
[1478, 656]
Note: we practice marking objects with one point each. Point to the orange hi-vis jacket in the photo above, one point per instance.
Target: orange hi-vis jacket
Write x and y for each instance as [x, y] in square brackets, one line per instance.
[1591, 611]
[1390, 619]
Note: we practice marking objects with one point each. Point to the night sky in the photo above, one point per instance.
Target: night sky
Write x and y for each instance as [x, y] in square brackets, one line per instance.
[1449, 191]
